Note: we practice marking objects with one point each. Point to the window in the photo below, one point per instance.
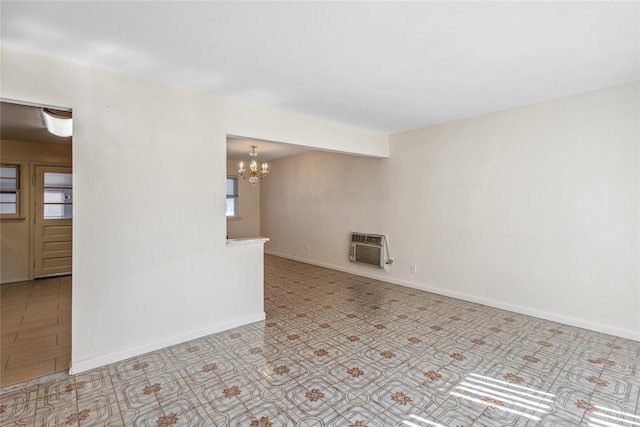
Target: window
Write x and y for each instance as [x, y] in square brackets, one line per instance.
[58, 195]
[232, 197]
[9, 191]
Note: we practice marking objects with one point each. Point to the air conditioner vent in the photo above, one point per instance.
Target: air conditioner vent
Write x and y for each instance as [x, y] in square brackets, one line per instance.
[368, 249]
[373, 239]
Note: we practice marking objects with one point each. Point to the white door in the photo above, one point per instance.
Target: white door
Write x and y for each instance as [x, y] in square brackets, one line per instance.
[53, 213]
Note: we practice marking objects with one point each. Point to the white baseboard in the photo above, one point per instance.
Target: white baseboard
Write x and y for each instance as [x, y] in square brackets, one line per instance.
[85, 365]
[357, 272]
[554, 317]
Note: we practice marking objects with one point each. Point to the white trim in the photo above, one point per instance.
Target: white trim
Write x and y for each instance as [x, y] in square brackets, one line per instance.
[34, 104]
[597, 327]
[247, 241]
[85, 365]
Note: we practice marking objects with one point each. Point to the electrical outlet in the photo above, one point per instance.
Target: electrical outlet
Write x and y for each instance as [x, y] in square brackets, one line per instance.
[414, 269]
[308, 247]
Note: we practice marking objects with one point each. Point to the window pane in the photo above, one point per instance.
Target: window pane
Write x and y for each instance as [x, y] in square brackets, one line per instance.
[54, 179]
[8, 198]
[8, 208]
[58, 196]
[58, 211]
[9, 172]
[231, 206]
[232, 186]
[8, 183]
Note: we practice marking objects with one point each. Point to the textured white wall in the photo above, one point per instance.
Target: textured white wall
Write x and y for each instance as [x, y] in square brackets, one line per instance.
[150, 261]
[533, 209]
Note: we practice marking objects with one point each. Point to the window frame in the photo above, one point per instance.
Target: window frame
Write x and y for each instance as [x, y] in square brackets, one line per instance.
[17, 191]
[234, 196]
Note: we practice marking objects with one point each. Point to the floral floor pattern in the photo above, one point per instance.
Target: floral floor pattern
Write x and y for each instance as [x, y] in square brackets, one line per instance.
[343, 350]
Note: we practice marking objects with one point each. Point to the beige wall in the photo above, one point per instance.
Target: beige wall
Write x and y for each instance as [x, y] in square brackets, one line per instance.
[533, 209]
[248, 222]
[318, 199]
[15, 247]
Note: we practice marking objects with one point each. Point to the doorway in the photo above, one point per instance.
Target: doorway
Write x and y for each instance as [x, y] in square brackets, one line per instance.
[36, 234]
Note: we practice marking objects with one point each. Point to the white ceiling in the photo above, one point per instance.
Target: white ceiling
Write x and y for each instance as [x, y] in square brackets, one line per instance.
[386, 66]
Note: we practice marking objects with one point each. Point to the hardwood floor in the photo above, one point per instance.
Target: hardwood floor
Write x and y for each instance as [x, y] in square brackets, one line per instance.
[35, 329]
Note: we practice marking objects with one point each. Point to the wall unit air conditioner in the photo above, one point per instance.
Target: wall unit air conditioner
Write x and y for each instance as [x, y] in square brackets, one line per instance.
[368, 249]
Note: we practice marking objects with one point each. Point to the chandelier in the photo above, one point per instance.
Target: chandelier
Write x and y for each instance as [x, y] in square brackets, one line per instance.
[253, 173]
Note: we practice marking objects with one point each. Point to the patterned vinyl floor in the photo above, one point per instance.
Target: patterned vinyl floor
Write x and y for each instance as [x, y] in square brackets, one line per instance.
[342, 350]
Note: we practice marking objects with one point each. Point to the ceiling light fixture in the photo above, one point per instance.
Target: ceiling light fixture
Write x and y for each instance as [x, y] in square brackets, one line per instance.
[58, 123]
[253, 173]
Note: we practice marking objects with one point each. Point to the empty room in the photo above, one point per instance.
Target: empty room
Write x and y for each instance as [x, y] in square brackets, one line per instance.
[321, 214]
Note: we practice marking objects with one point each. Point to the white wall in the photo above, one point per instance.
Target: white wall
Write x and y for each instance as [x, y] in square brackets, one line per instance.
[533, 209]
[150, 263]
